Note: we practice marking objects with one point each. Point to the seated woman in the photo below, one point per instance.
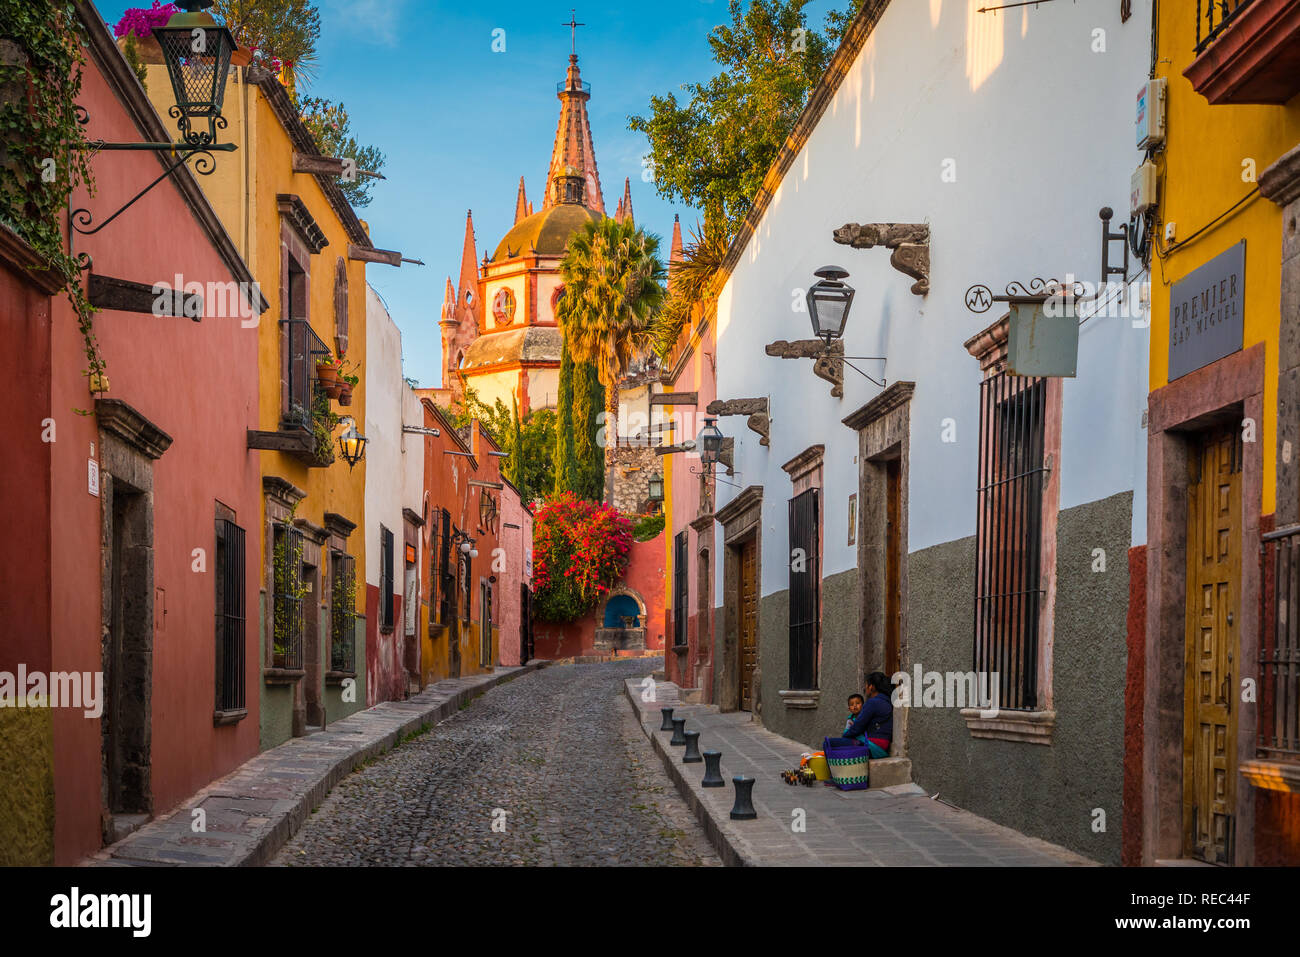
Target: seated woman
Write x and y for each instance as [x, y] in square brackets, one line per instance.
[874, 724]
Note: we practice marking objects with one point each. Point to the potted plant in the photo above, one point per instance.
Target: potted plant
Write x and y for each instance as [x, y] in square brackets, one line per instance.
[134, 33]
[323, 423]
[349, 379]
[327, 374]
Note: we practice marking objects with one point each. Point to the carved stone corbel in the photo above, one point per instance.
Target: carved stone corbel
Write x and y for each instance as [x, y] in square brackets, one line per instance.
[828, 364]
[909, 241]
[756, 409]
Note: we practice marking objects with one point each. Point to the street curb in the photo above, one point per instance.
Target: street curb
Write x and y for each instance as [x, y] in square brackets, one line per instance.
[172, 831]
[731, 854]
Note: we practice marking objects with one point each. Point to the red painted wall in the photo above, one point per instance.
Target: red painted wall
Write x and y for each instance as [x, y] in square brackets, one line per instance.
[198, 383]
[1131, 836]
[385, 671]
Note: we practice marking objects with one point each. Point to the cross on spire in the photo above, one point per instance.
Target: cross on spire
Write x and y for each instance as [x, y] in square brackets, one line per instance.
[573, 25]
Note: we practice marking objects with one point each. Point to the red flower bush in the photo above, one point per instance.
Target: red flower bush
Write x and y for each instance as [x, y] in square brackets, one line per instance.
[580, 550]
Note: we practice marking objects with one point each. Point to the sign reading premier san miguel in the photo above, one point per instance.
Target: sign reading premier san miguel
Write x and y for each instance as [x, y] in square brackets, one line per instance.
[1205, 312]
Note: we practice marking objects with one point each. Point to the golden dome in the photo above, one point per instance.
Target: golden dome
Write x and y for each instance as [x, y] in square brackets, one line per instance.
[546, 233]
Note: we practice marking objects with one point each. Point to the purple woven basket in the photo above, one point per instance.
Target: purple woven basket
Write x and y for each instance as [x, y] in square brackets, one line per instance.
[849, 767]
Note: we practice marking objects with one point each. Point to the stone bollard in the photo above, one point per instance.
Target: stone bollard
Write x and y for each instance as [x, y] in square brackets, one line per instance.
[679, 726]
[692, 755]
[743, 809]
[667, 723]
[713, 770]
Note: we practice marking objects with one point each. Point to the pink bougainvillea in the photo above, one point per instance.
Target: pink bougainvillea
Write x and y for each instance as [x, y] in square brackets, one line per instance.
[140, 21]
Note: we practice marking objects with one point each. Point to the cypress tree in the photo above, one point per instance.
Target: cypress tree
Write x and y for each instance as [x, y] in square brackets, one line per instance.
[589, 456]
[565, 464]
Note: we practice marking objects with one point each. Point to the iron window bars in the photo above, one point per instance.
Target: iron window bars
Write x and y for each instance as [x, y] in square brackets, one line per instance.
[445, 584]
[287, 614]
[1213, 26]
[805, 598]
[302, 349]
[230, 618]
[343, 613]
[386, 619]
[679, 589]
[1279, 662]
[1009, 511]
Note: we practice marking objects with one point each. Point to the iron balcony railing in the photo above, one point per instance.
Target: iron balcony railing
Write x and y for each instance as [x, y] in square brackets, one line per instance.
[303, 349]
[1213, 17]
[1279, 662]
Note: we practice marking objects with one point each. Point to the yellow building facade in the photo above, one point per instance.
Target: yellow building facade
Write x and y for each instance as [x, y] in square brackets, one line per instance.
[1220, 764]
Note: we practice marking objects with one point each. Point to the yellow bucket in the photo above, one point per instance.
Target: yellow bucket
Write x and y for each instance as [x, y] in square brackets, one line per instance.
[820, 767]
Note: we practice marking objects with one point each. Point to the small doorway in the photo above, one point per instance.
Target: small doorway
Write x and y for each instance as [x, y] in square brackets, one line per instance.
[1212, 648]
[129, 613]
[748, 632]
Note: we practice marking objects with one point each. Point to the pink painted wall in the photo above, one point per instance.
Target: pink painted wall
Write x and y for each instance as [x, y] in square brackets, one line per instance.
[693, 668]
[645, 577]
[518, 546]
[385, 670]
[198, 383]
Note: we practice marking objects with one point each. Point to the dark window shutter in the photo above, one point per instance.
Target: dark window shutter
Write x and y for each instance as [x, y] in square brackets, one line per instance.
[231, 617]
[386, 578]
[805, 613]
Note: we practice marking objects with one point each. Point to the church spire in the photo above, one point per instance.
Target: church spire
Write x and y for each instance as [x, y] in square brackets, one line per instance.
[675, 254]
[521, 203]
[625, 204]
[469, 268]
[449, 302]
[573, 145]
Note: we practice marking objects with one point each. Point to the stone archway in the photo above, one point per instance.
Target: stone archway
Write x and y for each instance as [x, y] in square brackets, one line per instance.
[622, 635]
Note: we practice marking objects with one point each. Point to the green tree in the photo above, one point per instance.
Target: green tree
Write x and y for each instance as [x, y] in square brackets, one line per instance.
[282, 34]
[613, 284]
[690, 282]
[529, 442]
[565, 470]
[331, 126]
[713, 151]
[588, 404]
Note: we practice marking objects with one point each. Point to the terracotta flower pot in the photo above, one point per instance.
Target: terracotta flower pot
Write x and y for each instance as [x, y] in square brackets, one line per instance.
[241, 57]
[345, 394]
[328, 375]
[148, 49]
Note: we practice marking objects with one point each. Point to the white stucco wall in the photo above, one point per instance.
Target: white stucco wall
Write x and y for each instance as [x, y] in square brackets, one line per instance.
[386, 472]
[1038, 130]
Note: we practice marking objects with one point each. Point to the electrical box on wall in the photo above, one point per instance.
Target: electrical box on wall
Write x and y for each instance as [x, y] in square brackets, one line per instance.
[1143, 194]
[1151, 114]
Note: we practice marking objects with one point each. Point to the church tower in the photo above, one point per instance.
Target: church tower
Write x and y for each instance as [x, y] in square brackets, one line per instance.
[460, 322]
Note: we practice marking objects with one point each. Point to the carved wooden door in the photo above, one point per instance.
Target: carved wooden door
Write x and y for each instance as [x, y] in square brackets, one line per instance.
[748, 623]
[1213, 617]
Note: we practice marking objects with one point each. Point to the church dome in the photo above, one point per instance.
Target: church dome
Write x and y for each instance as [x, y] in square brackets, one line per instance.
[546, 233]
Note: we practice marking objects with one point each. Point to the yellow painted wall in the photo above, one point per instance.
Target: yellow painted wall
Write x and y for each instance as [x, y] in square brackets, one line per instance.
[1205, 168]
[243, 191]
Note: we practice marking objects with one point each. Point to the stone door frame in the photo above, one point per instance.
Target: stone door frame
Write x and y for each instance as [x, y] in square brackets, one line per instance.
[741, 520]
[883, 426]
[1231, 389]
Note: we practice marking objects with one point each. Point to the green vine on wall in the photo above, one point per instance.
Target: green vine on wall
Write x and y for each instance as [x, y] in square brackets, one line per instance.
[287, 564]
[44, 151]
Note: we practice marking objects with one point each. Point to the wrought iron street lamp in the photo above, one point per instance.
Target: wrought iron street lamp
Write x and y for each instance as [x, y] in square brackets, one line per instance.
[710, 443]
[352, 444]
[656, 488]
[829, 300]
[197, 52]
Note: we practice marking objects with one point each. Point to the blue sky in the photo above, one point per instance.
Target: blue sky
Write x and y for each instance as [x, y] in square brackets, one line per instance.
[460, 124]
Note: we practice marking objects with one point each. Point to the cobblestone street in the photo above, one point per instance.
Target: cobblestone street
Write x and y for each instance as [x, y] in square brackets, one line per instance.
[557, 750]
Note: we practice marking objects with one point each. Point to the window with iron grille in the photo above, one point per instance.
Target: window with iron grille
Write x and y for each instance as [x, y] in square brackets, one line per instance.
[289, 592]
[805, 592]
[385, 578]
[444, 584]
[465, 596]
[679, 589]
[1279, 665]
[230, 618]
[1008, 576]
[343, 612]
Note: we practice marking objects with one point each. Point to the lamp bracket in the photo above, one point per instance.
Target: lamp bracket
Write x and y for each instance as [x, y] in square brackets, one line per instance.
[828, 360]
[758, 421]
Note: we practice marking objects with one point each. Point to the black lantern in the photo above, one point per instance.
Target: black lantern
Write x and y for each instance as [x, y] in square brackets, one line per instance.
[656, 488]
[829, 300]
[709, 443]
[352, 444]
[197, 51]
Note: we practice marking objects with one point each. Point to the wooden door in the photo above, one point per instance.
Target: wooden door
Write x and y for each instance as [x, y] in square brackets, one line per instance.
[1213, 617]
[893, 565]
[748, 623]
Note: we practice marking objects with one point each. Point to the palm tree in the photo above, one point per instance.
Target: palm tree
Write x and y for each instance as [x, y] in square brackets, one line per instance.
[613, 284]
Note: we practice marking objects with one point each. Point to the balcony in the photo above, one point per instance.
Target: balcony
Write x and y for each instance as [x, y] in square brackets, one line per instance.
[306, 421]
[1277, 756]
[1247, 51]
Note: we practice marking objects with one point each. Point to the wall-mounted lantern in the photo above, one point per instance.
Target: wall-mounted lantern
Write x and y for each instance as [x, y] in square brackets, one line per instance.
[829, 301]
[197, 52]
[656, 488]
[352, 444]
[709, 443]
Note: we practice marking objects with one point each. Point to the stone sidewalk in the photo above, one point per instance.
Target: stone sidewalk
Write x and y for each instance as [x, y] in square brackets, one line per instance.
[895, 827]
[253, 811]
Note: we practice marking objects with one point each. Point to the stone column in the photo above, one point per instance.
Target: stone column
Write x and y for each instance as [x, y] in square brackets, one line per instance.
[1280, 183]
